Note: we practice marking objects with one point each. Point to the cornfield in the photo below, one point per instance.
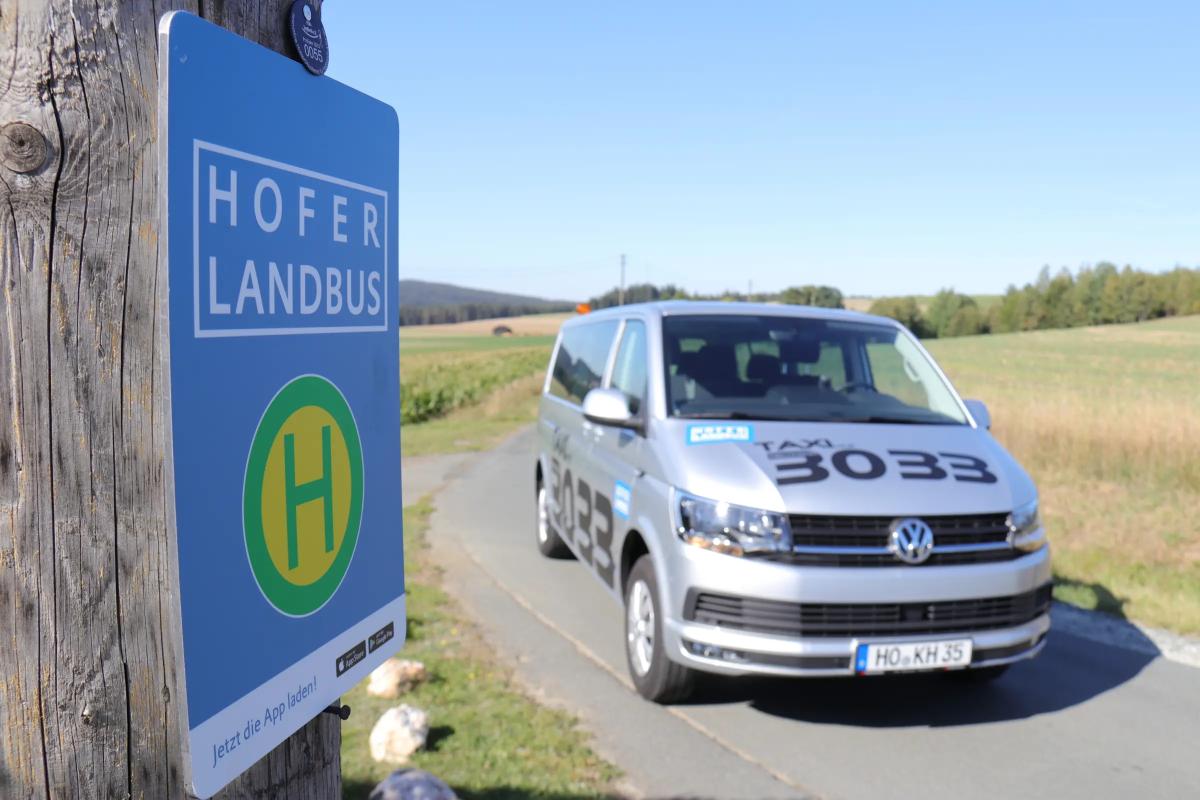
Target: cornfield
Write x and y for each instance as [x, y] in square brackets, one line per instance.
[433, 384]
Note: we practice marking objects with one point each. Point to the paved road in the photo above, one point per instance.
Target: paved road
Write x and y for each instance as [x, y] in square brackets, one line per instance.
[1086, 719]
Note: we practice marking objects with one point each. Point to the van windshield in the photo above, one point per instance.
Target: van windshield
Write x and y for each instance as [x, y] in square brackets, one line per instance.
[737, 366]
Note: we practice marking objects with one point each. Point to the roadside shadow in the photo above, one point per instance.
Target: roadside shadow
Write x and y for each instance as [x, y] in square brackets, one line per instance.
[361, 790]
[438, 734]
[522, 793]
[1071, 670]
[1090, 595]
[356, 789]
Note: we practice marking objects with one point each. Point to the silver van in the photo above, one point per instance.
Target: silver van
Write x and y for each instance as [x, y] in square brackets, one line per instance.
[787, 491]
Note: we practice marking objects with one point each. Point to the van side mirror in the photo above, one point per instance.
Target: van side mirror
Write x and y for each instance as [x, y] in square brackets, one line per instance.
[610, 407]
[979, 412]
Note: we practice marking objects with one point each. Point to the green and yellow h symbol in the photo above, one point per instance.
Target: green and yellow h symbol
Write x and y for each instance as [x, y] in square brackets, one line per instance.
[297, 495]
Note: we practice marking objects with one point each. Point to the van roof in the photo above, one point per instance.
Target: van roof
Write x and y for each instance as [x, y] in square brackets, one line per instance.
[666, 308]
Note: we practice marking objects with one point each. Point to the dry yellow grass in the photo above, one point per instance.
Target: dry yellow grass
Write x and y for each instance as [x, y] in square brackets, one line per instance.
[1107, 420]
[531, 325]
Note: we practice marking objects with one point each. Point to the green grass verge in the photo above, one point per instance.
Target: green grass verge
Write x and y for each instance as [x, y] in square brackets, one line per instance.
[1162, 595]
[487, 738]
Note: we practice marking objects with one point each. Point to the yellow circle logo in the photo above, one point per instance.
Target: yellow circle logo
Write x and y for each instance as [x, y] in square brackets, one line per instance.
[302, 498]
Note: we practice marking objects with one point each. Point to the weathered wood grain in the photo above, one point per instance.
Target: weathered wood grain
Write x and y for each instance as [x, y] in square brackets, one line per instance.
[92, 665]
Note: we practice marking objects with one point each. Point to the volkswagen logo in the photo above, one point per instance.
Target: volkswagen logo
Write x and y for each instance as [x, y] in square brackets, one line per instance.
[911, 540]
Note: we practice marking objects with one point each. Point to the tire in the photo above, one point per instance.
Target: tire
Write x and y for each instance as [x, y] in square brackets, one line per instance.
[980, 674]
[656, 677]
[548, 542]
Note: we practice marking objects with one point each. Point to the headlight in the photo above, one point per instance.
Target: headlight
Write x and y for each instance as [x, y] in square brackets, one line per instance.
[730, 529]
[1025, 531]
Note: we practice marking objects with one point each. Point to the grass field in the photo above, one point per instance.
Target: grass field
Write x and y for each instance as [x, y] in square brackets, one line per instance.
[1107, 420]
[413, 343]
[435, 382]
[528, 325]
[479, 426]
[487, 738]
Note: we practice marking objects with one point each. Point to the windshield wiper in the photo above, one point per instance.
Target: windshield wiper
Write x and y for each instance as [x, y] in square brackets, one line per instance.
[743, 415]
[734, 415]
[897, 420]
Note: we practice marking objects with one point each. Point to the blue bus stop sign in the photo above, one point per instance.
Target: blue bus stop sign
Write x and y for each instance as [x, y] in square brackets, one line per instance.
[280, 213]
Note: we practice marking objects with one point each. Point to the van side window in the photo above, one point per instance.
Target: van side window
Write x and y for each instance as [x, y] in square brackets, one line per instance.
[629, 370]
[582, 356]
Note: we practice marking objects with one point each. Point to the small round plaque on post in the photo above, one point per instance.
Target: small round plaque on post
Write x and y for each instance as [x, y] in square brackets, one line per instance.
[309, 36]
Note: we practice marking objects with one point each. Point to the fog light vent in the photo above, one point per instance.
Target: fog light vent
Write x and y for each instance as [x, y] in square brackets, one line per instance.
[714, 652]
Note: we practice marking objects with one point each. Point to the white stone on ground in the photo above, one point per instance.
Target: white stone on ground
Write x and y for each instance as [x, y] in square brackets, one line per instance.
[400, 732]
[412, 784]
[394, 677]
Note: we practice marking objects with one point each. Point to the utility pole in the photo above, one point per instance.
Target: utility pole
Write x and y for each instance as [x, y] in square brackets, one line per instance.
[621, 292]
[89, 596]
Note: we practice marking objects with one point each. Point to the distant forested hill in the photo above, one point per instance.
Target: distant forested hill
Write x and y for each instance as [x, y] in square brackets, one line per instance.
[425, 293]
[426, 303]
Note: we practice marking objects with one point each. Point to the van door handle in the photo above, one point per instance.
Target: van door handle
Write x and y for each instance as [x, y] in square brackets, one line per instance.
[550, 426]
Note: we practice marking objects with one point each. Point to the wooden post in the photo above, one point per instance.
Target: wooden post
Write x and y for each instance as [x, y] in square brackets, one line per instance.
[91, 663]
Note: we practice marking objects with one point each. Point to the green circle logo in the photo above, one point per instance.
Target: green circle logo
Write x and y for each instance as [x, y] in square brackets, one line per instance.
[302, 495]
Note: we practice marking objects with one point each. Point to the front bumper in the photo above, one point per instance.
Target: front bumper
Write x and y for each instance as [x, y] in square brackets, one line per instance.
[733, 651]
[712, 649]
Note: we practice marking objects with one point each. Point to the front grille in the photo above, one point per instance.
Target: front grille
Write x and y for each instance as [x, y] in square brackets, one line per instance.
[811, 534]
[848, 620]
[800, 662]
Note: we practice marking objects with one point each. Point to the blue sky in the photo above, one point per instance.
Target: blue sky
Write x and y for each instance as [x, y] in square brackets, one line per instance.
[881, 148]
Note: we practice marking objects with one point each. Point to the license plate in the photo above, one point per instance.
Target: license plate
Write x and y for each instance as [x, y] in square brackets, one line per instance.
[909, 656]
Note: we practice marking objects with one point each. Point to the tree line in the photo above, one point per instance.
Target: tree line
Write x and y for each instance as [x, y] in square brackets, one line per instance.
[823, 296]
[1097, 295]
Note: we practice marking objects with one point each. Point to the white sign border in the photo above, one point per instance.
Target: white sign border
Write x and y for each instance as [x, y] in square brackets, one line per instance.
[208, 779]
[199, 145]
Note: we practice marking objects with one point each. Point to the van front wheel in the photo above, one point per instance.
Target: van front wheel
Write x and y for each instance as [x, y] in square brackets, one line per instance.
[656, 677]
[548, 542]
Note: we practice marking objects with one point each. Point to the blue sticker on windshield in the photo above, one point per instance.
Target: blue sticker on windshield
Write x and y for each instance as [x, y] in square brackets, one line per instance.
[622, 496]
[711, 434]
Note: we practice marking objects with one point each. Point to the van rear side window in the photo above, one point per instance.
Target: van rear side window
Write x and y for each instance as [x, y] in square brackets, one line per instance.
[582, 356]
